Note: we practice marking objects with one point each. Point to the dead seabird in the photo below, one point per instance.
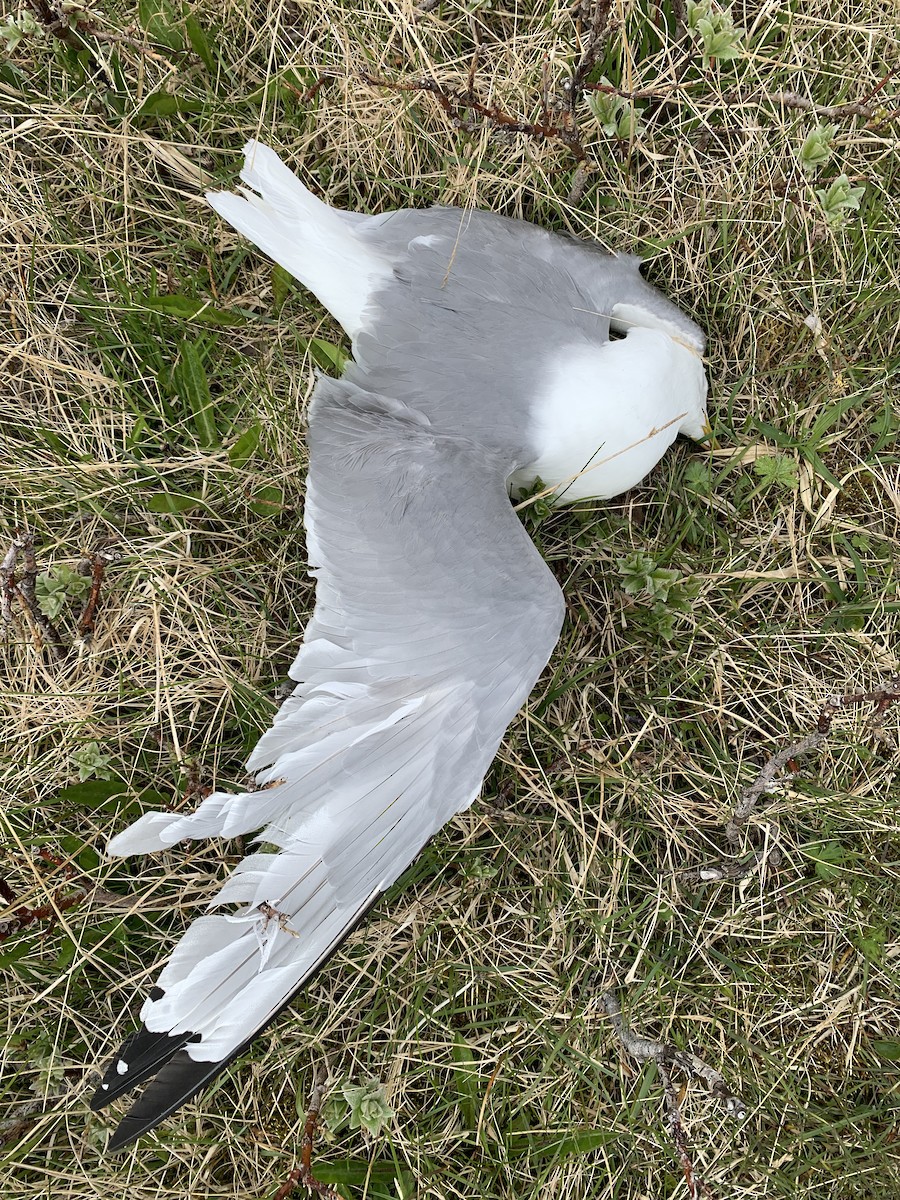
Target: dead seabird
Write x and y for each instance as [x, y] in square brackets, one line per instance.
[482, 361]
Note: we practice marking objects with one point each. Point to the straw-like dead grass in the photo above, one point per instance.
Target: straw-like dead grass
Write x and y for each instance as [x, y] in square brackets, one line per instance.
[469, 993]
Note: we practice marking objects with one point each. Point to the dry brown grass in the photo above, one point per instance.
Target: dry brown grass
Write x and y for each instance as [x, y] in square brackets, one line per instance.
[468, 993]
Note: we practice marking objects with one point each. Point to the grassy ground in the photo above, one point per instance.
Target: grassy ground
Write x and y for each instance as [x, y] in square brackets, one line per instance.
[471, 992]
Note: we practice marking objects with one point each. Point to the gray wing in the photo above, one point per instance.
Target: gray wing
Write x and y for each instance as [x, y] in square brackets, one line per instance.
[434, 617]
[481, 307]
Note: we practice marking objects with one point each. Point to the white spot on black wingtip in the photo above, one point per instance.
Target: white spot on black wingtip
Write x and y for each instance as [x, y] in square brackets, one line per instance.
[122, 1067]
[105, 1086]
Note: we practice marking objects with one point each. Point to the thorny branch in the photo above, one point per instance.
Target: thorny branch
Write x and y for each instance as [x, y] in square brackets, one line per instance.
[304, 1172]
[666, 1058]
[768, 779]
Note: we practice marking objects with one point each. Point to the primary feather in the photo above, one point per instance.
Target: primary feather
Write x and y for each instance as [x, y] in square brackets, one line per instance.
[434, 612]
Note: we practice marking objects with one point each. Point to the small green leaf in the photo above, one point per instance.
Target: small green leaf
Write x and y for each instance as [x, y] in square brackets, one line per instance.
[721, 38]
[51, 595]
[55, 588]
[467, 1082]
[816, 148]
[11, 34]
[698, 477]
[888, 1050]
[664, 622]
[839, 200]
[172, 502]
[606, 107]
[375, 1180]
[369, 1109]
[189, 378]
[886, 423]
[9, 958]
[282, 283]
[335, 1112]
[165, 104]
[585, 1141]
[266, 501]
[776, 470]
[13, 77]
[92, 793]
[76, 584]
[629, 125]
[65, 956]
[245, 447]
[15, 28]
[669, 591]
[324, 355]
[829, 857]
[200, 43]
[160, 22]
[190, 309]
[92, 762]
[871, 943]
[635, 571]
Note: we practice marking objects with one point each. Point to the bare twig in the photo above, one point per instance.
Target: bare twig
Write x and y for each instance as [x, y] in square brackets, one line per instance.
[793, 100]
[580, 180]
[27, 590]
[595, 16]
[23, 589]
[473, 68]
[769, 778]
[97, 564]
[644, 1049]
[696, 1186]
[834, 112]
[54, 20]
[766, 782]
[21, 916]
[888, 75]
[666, 1057]
[15, 1127]
[304, 1172]
[456, 103]
[7, 577]
[309, 93]
[597, 19]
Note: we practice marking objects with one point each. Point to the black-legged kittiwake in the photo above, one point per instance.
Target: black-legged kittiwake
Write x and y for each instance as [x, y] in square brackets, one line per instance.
[482, 361]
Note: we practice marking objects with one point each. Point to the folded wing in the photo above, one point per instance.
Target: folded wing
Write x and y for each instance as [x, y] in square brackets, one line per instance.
[434, 617]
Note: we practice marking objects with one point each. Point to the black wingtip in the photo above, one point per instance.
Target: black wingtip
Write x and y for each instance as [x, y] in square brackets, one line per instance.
[141, 1056]
[179, 1080]
[180, 1077]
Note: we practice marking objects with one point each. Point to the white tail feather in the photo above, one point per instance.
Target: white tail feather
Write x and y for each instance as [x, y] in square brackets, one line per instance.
[311, 240]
